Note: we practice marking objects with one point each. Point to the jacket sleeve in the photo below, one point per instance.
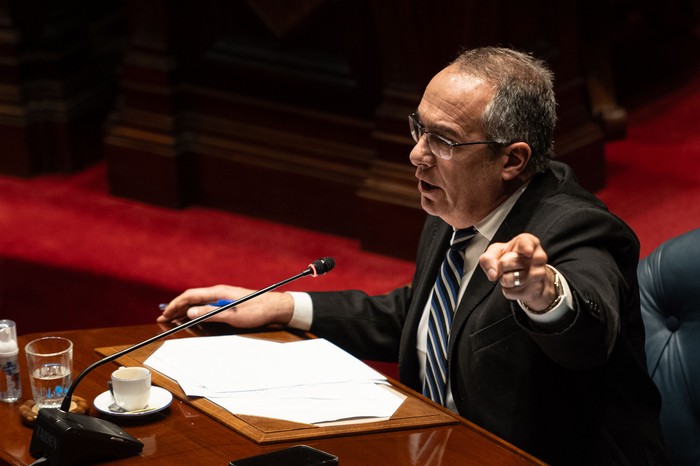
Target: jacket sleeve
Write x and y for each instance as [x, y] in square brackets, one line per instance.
[369, 327]
[598, 255]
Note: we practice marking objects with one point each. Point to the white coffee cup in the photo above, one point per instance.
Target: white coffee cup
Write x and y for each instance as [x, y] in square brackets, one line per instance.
[131, 387]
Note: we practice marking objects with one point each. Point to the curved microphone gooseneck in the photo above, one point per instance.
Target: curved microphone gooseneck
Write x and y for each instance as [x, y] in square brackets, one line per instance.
[316, 268]
[65, 438]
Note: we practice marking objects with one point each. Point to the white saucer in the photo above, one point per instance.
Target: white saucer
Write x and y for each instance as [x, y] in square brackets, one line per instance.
[159, 400]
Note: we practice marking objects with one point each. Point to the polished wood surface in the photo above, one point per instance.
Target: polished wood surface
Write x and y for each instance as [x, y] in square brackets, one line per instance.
[182, 434]
[414, 411]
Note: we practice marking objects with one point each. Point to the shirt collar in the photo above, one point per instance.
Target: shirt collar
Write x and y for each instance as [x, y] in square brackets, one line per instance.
[488, 226]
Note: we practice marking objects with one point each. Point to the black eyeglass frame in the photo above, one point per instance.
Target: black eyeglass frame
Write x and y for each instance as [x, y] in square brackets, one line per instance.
[414, 123]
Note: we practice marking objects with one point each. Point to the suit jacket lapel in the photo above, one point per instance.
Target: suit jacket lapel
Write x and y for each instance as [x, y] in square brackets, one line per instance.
[431, 253]
[434, 254]
[516, 221]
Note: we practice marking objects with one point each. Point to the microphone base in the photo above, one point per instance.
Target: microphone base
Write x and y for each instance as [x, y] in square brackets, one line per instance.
[71, 438]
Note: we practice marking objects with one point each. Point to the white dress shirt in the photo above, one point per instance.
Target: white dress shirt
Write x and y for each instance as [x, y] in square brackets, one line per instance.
[303, 306]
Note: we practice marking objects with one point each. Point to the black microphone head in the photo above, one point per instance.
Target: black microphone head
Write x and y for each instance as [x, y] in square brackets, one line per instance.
[321, 266]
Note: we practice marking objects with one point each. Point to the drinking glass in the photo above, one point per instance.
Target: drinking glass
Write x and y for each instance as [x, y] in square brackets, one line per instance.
[50, 361]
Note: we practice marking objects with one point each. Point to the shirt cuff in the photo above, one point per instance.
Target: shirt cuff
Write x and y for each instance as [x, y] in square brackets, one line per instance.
[303, 311]
[553, 315]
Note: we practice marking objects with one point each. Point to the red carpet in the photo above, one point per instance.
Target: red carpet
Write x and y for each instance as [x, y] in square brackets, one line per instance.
[654, 173]
[71, 221]
[72, 256]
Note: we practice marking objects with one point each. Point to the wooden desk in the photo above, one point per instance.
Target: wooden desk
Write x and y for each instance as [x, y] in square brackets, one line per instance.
[182, 434]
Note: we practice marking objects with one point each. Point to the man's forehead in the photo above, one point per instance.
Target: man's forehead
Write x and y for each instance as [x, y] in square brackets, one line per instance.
[456, 93]
[458, 80]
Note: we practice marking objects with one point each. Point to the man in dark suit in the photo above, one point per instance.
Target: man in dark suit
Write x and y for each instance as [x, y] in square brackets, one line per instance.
[546, 345]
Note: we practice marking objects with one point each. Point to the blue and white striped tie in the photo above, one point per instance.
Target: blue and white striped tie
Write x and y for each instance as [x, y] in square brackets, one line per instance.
[442, 308]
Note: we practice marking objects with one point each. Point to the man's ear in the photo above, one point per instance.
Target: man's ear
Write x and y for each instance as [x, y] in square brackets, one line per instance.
[517, 156]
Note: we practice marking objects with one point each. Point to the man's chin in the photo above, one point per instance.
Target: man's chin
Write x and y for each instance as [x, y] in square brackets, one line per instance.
[429, 205]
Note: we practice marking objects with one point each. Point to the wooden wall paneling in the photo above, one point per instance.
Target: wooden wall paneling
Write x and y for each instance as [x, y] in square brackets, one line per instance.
[15, 158]
[145, 156]
[414, 44]
[276, 170]
[302, 118]
[56, 84]
[579, 138]
[271, 115]
[297, 100]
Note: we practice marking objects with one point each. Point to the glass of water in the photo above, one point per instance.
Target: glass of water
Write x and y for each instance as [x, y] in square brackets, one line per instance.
[50, 362]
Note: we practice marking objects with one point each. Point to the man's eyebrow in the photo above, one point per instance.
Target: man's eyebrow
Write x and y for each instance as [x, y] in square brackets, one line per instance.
[439, 130]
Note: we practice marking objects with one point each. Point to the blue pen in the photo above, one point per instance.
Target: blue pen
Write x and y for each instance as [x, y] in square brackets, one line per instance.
[219, 303]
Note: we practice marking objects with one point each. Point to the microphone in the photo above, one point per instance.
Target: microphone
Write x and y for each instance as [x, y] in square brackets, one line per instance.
[65, 438]
[322, 266]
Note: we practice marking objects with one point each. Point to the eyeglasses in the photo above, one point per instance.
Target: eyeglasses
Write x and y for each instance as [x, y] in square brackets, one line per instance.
[439, 145]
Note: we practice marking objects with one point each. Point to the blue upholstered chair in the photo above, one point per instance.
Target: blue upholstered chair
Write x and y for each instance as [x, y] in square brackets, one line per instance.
[669, 280]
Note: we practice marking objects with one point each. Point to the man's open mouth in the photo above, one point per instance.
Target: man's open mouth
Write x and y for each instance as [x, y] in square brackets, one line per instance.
[425, 186]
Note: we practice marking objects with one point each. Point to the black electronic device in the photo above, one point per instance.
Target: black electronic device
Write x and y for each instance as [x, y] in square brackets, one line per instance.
[71, 438]
[299, 455]
[66, 438]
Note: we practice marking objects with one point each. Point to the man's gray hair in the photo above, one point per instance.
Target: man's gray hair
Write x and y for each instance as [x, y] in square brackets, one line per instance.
[523, 108]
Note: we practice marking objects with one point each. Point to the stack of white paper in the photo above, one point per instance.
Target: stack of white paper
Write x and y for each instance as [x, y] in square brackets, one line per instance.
[309, 381]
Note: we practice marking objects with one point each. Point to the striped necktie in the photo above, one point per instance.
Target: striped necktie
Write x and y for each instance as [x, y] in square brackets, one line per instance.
[442, 307]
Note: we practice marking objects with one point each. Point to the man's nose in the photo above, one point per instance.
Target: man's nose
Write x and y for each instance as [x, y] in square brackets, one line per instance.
[421, 153]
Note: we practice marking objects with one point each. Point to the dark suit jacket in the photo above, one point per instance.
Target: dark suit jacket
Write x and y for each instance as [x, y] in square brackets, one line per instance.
[576, 394]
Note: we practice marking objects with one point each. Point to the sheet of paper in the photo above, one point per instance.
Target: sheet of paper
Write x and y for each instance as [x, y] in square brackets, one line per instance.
[320, 403]
[308, 381]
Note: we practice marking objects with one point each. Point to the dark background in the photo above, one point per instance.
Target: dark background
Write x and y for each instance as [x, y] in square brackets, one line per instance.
[295, 110]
